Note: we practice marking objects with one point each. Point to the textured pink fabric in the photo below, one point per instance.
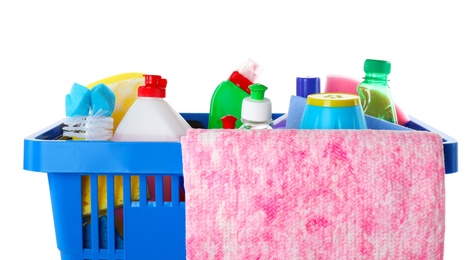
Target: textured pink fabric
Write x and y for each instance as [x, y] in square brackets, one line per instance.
[314, 194]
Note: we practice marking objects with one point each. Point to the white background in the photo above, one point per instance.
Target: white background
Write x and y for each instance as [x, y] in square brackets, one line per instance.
[46, 46]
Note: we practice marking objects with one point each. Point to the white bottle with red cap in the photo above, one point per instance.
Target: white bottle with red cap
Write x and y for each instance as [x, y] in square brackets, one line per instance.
[151, 118]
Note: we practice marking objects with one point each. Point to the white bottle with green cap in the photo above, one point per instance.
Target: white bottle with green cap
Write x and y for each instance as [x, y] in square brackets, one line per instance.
[256, 109]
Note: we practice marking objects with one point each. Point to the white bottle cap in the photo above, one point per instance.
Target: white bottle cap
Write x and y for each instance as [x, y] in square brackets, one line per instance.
[251, 70]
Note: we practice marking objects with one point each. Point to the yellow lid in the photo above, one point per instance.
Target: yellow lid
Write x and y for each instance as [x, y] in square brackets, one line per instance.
[333, 100]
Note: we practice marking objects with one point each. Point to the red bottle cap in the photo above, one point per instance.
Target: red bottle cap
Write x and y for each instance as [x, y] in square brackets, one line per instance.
[228, 122]
[155, 86]
[241, 81]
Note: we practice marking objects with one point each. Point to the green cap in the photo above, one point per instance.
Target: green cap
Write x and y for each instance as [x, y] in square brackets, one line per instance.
[377, 66]
[257, 91]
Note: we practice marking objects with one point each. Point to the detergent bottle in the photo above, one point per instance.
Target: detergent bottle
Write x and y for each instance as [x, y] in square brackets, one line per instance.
[152, 118]
[228, 96]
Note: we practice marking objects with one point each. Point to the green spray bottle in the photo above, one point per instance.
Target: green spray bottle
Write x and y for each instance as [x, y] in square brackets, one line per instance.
[228, 96]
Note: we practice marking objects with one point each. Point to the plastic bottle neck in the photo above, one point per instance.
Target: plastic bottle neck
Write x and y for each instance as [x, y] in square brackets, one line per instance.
[247, 124]
[376, 77]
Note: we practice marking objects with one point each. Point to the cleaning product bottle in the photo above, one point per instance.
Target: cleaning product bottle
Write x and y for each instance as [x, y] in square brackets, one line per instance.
[257, 109]
[304, 87]
[333, 111]
[374, 92]
[152, 118]
[228, 96]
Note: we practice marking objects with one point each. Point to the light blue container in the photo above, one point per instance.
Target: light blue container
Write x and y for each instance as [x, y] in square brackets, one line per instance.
[333, 111]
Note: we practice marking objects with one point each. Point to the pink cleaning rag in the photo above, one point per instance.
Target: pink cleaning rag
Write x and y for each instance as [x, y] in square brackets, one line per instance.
[314, 194]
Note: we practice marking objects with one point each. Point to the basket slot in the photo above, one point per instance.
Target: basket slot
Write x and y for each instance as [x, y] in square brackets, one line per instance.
[158, 192]
[127, 192]
[94, 218]
[143, 191]
[166, 188]
[110, 211]
[86, 206]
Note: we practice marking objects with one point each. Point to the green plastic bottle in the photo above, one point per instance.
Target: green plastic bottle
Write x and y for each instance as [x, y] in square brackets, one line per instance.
[228, 96]
[375, 96]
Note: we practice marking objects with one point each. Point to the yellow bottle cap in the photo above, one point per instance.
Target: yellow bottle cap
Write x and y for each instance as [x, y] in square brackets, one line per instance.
[333, 100]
